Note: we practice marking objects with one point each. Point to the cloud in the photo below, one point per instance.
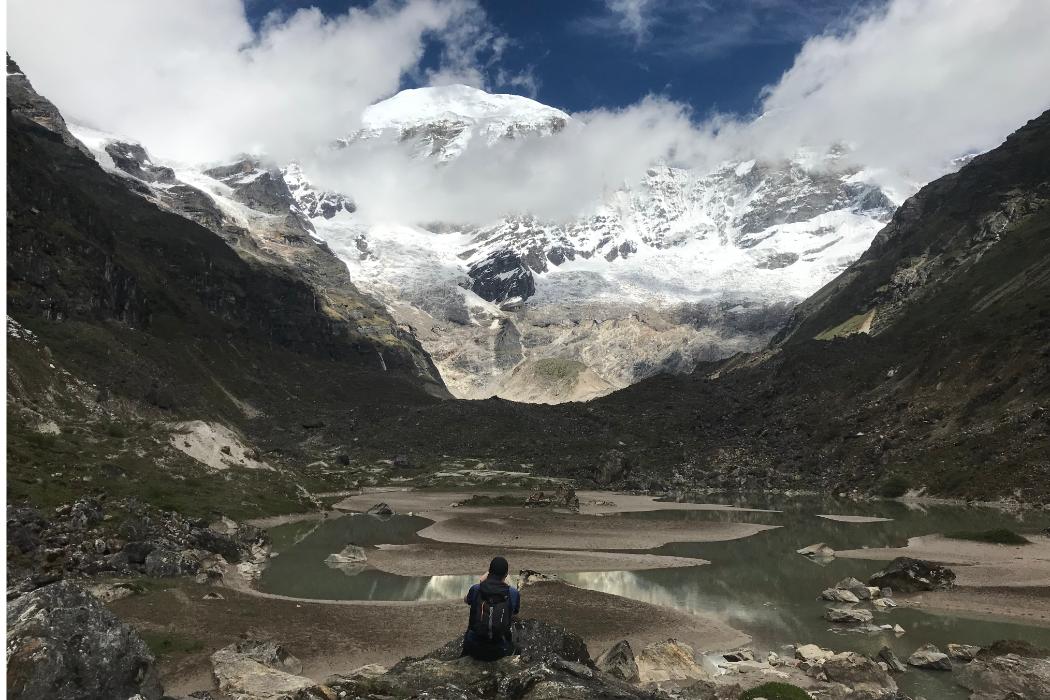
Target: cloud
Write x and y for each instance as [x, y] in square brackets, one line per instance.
[909, 87]
[193, 81]
[915, 84]
[631, 16]
[552, 177]
[909, 84]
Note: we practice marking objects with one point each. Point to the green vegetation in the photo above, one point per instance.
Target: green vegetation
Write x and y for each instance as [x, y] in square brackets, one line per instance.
[861, 323]
[170, 643]
[997, 536]
[776, 691]
[895, 487]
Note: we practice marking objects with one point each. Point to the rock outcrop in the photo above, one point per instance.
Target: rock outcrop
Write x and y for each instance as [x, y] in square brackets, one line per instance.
[63, 644]
[909, 575]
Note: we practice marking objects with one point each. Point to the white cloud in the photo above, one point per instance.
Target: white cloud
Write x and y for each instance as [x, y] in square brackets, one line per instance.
[631, 16]
[910, 86]
[916, 84]
[191, 80]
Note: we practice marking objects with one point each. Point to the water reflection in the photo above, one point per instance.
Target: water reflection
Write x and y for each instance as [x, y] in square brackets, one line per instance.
[757, 584]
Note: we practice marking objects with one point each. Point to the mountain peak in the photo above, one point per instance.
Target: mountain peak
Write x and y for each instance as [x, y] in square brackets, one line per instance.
[456, 103]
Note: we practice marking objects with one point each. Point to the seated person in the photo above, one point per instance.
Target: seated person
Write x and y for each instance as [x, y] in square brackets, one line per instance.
[493, 605]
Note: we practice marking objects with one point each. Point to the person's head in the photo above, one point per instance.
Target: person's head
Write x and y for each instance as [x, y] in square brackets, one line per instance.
[498, 568]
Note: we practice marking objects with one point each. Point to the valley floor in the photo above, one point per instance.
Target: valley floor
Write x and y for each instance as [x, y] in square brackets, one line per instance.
[332, 636]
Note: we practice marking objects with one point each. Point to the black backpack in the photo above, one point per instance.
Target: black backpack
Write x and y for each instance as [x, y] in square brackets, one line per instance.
[490, 616]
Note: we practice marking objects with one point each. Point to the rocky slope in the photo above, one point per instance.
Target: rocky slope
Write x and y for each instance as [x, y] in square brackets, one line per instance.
[147, 355]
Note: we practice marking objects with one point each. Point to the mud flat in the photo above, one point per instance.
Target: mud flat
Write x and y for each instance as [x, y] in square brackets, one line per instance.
[1009, 581]
[441, 559]
[547, 530]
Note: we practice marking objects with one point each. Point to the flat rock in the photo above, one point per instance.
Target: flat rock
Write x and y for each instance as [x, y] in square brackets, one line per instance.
[931, 658]
[848, 616]
[817, 551]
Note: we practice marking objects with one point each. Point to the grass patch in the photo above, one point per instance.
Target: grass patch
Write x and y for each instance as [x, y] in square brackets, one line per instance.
[998, 536]
[776, 691]
[855, 324]
[171, 643]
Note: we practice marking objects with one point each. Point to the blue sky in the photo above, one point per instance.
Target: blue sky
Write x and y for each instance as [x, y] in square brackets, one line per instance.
[578, 55]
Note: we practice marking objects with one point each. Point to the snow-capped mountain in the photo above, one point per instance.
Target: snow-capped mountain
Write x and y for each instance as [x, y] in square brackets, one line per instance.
[677, 268]
[441, 121]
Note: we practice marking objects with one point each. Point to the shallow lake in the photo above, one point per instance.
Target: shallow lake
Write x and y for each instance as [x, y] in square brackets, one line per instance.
[758, 584]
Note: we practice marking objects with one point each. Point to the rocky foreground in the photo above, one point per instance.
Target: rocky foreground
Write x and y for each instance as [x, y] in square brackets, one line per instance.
[64, 644]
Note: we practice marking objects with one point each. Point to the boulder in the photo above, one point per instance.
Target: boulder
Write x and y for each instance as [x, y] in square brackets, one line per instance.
[162, 563]
[669, 661]
[536, 639]
[931, 658]
[855, 587]
[909, 575]
[884, 603]
[838, 595]
[817, 551]
[85, 513]
[856, 670]
[848, 616]
[613, 465]
[63, 644]
[381, 509]
[812, 653]
[350, 560]
[619, 662]
[963, 652]
[259, 670]
[1009, 676]
[136, 552]
[891, 660]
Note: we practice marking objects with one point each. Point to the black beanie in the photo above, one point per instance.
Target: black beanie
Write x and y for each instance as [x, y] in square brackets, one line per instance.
[498, 567]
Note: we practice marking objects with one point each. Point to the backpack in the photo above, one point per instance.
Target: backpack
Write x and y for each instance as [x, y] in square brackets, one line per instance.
[490, 616]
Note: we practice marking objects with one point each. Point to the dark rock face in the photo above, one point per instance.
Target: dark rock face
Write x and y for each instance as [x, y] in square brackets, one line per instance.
[133, 159]
[613, 466]
[63, 644]
[909, 575]
[535, 639]
[501, 277]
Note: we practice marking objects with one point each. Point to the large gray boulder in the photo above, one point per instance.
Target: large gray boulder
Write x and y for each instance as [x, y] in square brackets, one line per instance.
[909, 575]
[858, 672]
[997, 677]
[63, 644]
[930, 658]
[259, 670]
[848, 616]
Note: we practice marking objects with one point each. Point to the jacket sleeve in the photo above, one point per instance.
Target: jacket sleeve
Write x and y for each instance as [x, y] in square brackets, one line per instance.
[469, 597]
